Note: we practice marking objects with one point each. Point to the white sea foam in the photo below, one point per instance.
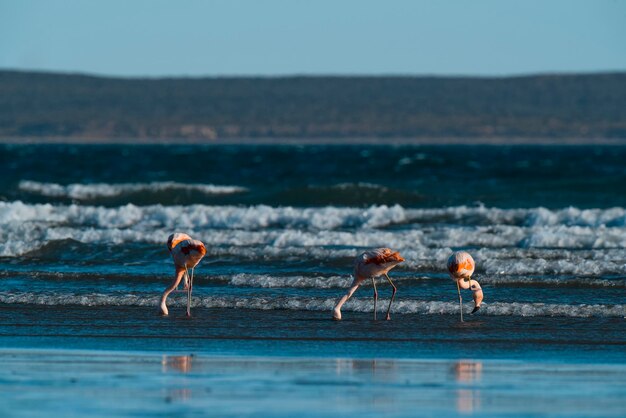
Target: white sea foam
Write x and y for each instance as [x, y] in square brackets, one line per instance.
[360, 185]
[89, 191]
[203, 216]
[330, 233]
[543, 223]
[317, 304]
[552, 281]
[260, 216]
[329, 282]
[268, 281]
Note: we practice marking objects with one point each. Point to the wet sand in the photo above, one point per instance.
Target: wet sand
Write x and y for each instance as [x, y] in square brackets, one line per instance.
[94, 383]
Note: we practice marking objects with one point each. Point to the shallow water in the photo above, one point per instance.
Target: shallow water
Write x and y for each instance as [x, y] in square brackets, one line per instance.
[117, 384]
[83, 258]
[271, 332]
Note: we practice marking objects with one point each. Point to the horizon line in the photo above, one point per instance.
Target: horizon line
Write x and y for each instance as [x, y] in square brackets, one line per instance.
[312, 75]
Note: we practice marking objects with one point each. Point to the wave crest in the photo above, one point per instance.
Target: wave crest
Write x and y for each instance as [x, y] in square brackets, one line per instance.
[80, 191]
[425, 235]
[319, 304]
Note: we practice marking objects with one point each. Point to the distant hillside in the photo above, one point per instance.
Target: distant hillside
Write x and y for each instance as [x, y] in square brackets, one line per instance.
[77, 106]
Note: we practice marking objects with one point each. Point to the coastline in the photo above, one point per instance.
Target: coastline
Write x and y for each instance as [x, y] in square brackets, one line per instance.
[467, 141]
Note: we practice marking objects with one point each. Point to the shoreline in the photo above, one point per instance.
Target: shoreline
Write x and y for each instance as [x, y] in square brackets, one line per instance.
[465, 141]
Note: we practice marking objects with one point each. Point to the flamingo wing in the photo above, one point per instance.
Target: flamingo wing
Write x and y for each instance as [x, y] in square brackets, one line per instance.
[383, 256]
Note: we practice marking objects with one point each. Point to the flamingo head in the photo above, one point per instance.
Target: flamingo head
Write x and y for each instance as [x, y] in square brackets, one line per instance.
[477, 294]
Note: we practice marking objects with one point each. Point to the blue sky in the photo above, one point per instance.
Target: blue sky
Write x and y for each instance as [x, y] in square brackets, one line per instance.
[277, 37]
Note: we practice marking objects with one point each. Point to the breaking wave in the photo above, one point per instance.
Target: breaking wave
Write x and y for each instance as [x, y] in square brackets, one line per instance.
[300, 281]
[319, 304]
[330, 282]
[357, 186]
[90, 191]
[519, 242]
[576, 222]
[267, 281]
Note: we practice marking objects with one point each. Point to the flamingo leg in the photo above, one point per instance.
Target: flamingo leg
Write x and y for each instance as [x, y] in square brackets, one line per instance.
[191, 287]
[393, 295]
[188, 292]
[186, 282]
[375, 296]
[458, 288]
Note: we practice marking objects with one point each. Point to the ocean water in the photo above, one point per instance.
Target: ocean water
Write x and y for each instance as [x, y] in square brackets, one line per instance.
[83, 262]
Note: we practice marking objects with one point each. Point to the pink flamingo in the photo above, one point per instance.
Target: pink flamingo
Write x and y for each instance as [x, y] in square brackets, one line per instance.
[461, 267]
[186, 253]
[371, 264]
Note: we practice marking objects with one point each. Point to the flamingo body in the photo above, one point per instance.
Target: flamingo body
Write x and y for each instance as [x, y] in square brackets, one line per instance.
[369, 265]
[461, 266]
[176, 238]
[186, 253]
[375, 263]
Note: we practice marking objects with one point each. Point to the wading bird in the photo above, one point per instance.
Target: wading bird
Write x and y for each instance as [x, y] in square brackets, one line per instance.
[186, 253]
[461, 267]
[371, 264]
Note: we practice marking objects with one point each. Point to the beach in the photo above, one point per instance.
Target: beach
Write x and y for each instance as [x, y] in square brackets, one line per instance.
[129, 361]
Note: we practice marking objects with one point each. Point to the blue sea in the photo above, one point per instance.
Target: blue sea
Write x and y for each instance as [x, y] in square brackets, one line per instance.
[83, 262]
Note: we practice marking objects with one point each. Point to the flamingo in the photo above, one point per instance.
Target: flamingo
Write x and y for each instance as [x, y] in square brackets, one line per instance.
[186, 253]
[461, 267]
[371, 264]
